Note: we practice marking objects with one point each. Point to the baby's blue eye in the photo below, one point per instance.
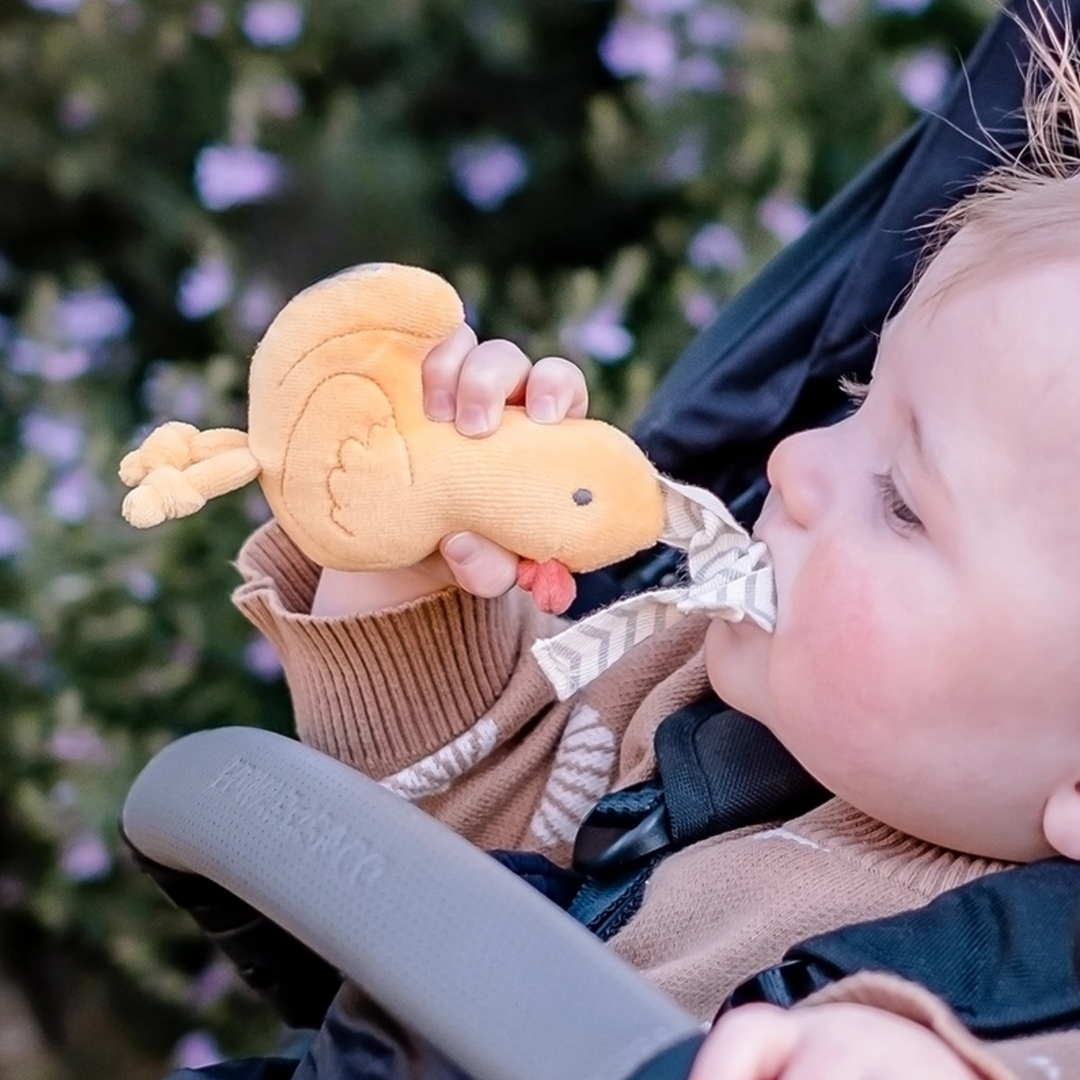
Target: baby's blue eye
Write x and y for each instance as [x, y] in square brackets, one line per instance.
[894, 502]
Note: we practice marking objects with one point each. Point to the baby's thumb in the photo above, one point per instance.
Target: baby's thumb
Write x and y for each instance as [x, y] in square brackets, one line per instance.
[479, 566]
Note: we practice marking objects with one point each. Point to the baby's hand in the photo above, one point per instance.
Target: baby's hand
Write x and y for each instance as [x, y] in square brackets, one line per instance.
[470, 385]
[825, 1042]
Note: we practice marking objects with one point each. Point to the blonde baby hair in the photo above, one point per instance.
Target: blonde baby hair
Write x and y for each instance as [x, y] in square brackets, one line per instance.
[1028, 204]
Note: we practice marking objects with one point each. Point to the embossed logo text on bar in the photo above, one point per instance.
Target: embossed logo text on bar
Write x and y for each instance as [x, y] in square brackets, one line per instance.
[298, 816]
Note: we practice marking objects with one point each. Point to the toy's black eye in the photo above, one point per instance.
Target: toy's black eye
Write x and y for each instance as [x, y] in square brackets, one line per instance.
[583, 496]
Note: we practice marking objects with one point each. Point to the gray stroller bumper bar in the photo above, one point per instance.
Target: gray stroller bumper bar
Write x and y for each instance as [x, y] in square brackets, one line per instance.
[449, 942]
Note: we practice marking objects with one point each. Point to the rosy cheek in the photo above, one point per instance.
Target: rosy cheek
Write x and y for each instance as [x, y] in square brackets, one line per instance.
[833, 660]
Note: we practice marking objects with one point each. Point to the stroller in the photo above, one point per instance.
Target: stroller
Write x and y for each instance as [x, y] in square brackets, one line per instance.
[235, 824]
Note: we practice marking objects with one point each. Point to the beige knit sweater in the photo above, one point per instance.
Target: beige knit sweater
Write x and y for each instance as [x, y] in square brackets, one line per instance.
[441, 700]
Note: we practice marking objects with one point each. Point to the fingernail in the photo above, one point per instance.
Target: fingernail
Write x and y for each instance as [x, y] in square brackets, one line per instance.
[473, 420]
[545, 410]
[461, 547]
[439, 405]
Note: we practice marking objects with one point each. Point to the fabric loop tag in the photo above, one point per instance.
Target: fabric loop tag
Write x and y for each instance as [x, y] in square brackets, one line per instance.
[730, 576]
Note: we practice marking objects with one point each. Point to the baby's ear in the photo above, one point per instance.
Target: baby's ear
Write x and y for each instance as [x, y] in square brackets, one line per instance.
[1061, 819]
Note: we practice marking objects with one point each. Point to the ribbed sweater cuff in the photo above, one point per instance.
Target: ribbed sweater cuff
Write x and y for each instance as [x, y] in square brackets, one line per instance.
[912, 1002]
[379, 691]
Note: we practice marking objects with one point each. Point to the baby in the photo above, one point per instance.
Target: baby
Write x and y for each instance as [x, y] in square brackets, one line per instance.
[923, 665]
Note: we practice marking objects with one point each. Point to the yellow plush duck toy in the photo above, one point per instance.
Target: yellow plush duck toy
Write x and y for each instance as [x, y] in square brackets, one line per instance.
[361, 479]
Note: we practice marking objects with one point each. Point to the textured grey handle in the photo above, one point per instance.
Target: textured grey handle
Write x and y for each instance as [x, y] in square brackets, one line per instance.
[454, 945]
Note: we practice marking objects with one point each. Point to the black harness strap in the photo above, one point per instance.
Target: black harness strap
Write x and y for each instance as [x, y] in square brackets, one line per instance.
[718, 770]
[999, 950]
[721, 770]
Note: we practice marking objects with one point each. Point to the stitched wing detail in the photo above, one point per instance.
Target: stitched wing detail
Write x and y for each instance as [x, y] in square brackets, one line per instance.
[345, 454]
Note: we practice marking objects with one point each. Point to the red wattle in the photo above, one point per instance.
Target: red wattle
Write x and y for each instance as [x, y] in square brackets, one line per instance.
[550, 582]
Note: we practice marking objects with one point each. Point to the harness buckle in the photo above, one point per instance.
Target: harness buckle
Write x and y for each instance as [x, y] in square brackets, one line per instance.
[602, 850]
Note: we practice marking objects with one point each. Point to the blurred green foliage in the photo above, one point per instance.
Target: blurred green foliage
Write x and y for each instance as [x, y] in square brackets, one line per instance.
[596, 178]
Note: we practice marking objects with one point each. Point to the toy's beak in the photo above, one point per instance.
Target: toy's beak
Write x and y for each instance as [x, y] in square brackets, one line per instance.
[550, 582]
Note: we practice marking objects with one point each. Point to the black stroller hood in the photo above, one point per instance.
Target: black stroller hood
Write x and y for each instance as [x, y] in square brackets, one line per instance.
[769, 364]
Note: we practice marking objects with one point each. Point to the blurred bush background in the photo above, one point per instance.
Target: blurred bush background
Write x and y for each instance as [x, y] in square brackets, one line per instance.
[596, 178]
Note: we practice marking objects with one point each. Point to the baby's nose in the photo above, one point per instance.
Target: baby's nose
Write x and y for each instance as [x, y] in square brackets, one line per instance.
[799, 474]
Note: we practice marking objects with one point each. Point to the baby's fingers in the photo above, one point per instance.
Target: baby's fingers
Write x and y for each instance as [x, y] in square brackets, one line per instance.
[440, 372]
[556, 389]
[492, 374]
[479, 566]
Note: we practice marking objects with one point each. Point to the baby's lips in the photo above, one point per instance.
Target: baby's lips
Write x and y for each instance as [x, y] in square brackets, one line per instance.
[552, 585]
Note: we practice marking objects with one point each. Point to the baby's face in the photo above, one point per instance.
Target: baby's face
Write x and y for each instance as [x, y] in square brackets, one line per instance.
[927, 553]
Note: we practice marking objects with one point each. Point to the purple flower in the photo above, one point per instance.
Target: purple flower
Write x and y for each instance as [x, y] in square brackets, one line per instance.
[716, 246]
[58, 439]
[699, 309]
[923, 77]
[73, 496]
[686, 160]
[212, 984]
[256, 508]
[12, 535]
[204, 287]
[55, 7]
[140, 583]
[91, 316]
[272, 22]
[600, 335]
[633, 48]
[30, 357]
[261, 659]
[171, 391]
[228, 176]
[79, 744]
[715, 25]
[78, 110]
[17, 638]
[196, 1050]
[785, 218]
[700, 72]
[487, 174]
[257, 306]
[25, 356]
[190, 399]
[85, 857]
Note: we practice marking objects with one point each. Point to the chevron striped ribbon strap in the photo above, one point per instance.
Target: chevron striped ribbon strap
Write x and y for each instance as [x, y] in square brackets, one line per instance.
[730, 577]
